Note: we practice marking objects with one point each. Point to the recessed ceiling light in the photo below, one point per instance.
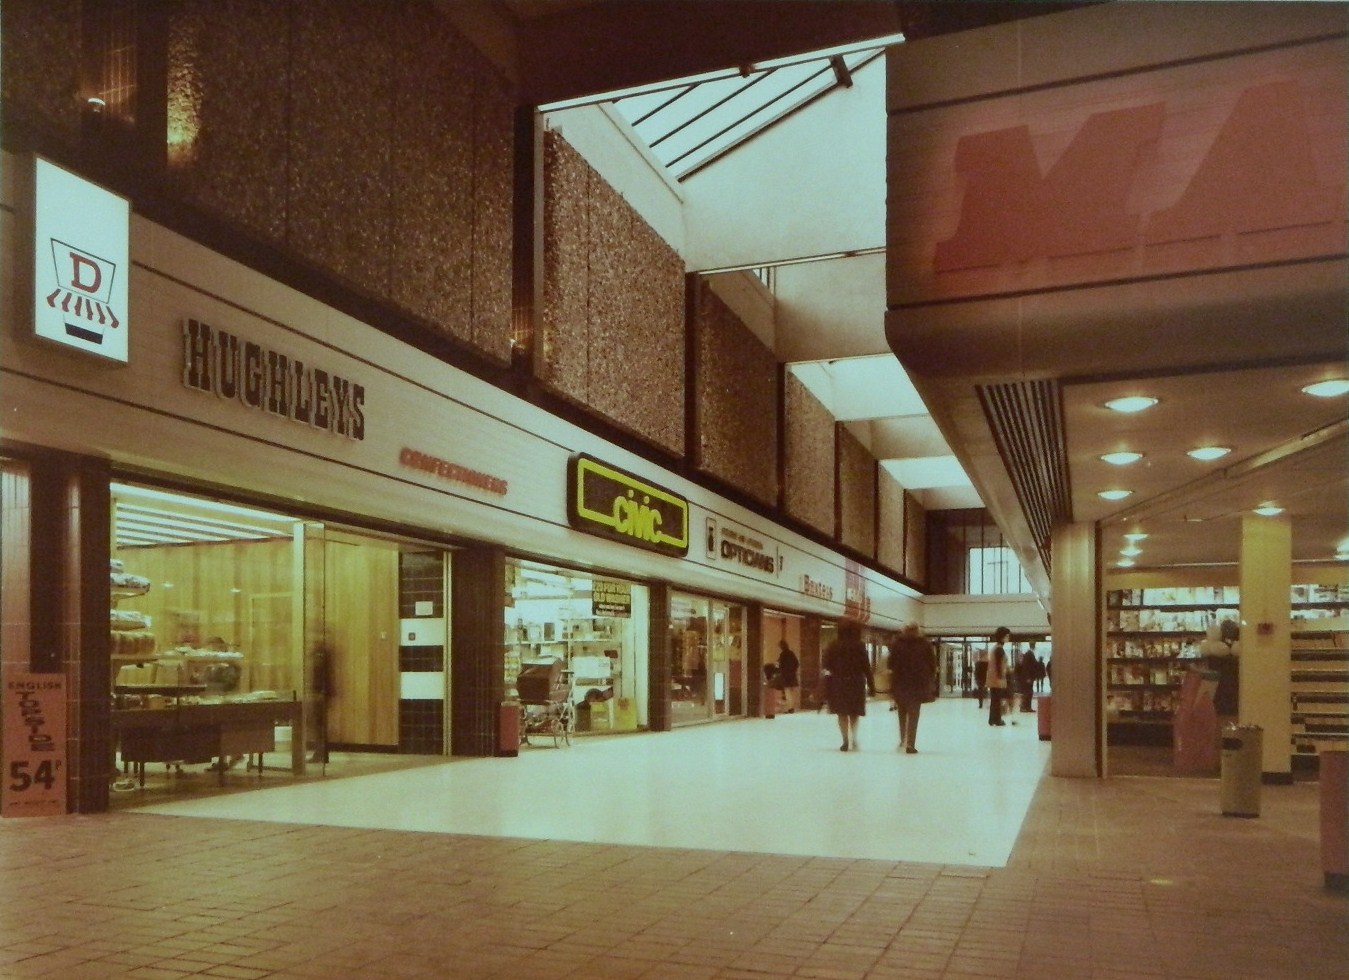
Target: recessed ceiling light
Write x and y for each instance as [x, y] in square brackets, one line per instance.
[1122, 458]
[1125, 563]
[1329, 388]
[1268, 510]
[1206, 453]
[1114, 494]
[1131, 551]
[1135, 535]
[1130, 403]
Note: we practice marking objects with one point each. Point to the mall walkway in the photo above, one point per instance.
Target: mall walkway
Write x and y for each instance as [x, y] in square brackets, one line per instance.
[691, 855]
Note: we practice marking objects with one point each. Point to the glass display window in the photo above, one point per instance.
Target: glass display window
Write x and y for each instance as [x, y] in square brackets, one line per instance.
[595, 628]
[707, 652]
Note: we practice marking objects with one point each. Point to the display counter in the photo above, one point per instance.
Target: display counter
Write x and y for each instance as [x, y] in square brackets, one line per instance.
[197, 733]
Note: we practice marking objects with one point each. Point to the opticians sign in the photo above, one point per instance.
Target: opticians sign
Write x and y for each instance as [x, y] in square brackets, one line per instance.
[82, 258]
[612, 503]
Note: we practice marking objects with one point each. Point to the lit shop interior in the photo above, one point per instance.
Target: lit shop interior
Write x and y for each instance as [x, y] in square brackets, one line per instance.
[248, 642]
[592, 630]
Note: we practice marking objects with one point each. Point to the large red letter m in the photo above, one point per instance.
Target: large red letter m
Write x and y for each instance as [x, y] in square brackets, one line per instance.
[1010, 213]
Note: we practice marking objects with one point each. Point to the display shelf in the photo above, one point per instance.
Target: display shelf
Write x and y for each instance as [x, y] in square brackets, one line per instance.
[1319, 698]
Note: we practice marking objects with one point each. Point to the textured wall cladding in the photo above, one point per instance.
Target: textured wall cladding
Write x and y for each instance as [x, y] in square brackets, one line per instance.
[341, 187]
[370, 139]
[41, 57]
[890, 544]
[613, 311]
[915, 540]
[236, 56]
[809, 489]
[857, 477]
[493, 218]
[737, 401]
[433, 167]
[562, 353]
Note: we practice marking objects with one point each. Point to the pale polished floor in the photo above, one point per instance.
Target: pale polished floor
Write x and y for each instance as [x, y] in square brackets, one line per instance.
[741, 851]
[777, 786]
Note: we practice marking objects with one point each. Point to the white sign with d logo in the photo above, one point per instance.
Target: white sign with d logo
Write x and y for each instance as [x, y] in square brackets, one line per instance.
[82, 259]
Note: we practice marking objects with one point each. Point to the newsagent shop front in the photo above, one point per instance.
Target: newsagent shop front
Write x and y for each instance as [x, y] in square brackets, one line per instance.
[246, 538]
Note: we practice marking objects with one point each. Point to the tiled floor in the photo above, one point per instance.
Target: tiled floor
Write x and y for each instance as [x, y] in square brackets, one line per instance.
[1128, 877]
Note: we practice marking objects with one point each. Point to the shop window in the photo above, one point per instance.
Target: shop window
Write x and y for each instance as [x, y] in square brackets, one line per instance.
[595, 626]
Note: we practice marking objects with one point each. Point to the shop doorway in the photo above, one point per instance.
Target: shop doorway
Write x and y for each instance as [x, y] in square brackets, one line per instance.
[707, 645]
[249, 645]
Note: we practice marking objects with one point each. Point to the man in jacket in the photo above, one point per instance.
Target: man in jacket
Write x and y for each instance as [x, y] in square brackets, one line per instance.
[913, 681]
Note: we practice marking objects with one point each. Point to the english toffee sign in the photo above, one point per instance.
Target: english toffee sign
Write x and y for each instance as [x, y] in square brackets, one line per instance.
[34, 745]
[612, 503]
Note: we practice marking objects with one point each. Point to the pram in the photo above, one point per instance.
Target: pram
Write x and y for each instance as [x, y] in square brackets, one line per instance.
[546, 708]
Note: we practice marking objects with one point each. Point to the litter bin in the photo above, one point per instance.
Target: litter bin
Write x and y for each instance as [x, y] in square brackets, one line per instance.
[1044, 705]
[1335, 818]
[1241, 763]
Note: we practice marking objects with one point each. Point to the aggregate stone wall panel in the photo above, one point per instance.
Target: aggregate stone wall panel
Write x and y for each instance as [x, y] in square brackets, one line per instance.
[809, 489]
[41, 77]
[562, 355]
[890, 543]
[857, 478]
[369, 139]
[229, 83]
[737, 401]
[340, 182]
[612, 324]
[915, 540]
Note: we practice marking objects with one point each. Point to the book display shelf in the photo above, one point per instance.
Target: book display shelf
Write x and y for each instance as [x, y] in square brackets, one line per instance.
[1154, 635]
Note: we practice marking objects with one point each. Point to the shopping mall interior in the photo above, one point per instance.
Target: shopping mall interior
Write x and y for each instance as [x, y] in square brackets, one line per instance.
[1070, 277]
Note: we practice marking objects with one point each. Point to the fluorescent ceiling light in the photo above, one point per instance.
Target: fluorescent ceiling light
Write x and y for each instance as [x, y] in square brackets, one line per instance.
[1329, 388]
[1207, 453]
[1268, 510]
[1135, 535]
[1121, 458]
[1125, 563]
[1114, 494]
[1130, 403]
[1131, 551]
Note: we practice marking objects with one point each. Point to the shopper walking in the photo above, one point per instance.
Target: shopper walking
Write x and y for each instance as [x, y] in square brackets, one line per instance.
[789, 676]
[997, 676]
[913, 681]
[848, 680]
[1026, 669]
[981, 677]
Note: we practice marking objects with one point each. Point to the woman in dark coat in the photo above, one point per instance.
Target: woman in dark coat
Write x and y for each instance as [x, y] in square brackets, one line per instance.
[849, 681]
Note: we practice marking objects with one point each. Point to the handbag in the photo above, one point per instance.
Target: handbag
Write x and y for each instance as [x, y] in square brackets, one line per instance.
[930, 694]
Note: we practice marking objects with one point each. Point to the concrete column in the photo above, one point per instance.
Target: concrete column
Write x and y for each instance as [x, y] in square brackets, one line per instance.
[1266, 576]
[1078, 722]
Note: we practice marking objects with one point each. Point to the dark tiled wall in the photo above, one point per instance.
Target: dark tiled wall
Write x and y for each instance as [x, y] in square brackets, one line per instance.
[612, 323]
[421, 722]
[421, 727]
[736, 392]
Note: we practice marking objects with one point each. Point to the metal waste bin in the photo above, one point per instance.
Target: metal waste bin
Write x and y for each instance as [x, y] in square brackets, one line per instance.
[1242, 758]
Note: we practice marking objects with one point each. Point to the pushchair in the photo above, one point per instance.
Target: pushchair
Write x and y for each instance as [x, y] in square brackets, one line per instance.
[546, 708]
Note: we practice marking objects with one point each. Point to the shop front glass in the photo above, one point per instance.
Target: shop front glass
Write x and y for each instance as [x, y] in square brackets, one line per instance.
[250, 646]
[578, 637]
[707, 644]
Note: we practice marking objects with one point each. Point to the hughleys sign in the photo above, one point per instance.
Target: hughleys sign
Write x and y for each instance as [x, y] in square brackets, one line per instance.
[269, 381]
[614, 504]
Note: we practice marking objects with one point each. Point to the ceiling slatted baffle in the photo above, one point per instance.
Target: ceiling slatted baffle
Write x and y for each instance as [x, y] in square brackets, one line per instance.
[1026, 419]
